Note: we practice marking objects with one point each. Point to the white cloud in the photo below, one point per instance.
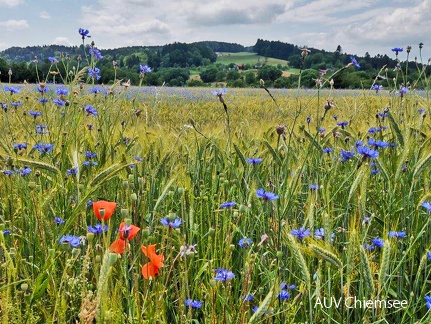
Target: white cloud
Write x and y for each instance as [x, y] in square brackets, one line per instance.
[10, 3]
[60, 40]
[12, 25]
[44, 15]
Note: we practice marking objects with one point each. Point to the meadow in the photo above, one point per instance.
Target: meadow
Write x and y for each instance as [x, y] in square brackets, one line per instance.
[130, 204]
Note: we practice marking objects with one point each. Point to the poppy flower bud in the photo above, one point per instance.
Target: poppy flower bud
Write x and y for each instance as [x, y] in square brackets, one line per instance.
[211, 231]
[125, 184]
[141, 182]
[180, 191]
[279, 254]
[134, 196]
[75, 252]
[124, 212]
[24, 287]
[128, 221]
[145, 232]
[32, 185]
[112, 258]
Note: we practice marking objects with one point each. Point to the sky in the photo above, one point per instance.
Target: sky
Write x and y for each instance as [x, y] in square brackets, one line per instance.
[357, 26]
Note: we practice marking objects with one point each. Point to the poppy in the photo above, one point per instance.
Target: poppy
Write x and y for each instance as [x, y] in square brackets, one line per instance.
[127, 232]
[104, 209]
[151, 269]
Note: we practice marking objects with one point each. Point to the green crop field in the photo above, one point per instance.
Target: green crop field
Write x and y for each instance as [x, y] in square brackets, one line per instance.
[249, 58]
[139, 204]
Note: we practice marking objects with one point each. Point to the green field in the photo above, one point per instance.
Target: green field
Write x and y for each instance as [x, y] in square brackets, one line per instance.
[249, 58]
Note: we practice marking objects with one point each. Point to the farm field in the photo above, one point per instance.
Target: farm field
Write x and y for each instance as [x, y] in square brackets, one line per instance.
[250, 58]
[181, 205]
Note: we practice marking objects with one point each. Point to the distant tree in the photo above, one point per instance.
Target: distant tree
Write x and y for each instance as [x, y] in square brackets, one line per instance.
[269, 72]
[209, 74]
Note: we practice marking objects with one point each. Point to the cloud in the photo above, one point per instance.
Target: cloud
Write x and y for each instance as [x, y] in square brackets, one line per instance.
[44, 15]
[60, 40]
[10, 3]
[12, 25]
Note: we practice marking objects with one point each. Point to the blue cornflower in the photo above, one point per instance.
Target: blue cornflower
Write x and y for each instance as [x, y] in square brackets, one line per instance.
[90, 203]
[346, 155]
[253, 160]
[144, 69]
[428, 301]
[377, 87]
[16, 104]
[300, 233]
[94, 73]
[266, 195]
[343, 124]
[427, 205]
[369, 247]
[397, 234]
[245, 242]
[72, 240]
[59, 102]
[328, 150]
[60, 91]
[421, 111]
[90, 155]
[95, 90]
[41, 129]
[97, 229]
[43, 148]
[8, 172]
[172, 224]
[6, 232]
[25, 171]
[355, 62]
[20, 146]
[228, 204]
[137, 158]
[335, 117]
[43, 100]
[285, 286]
[53, 60]
[359, 143]
[313, 186]
[248, 297]
[378, 242]
[319, 233]
[96, 53]
[429, 255]
[193, 303]
[382, 115]
[72, 171]
[374, 130]
[89, 163]
[397, 50]
[4, 106]
[378, 143]
[84, 33]
[322, 129]
[283, 295]
[367, 152]
[43, 89]
[219, 92]
[223, 274]
[90, 110]
[403, 91]
[374, 171]
[59, 221]
[12, 90]
[34, 113]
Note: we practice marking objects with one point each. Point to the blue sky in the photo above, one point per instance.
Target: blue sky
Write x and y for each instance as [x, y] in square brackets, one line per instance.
[358, 26]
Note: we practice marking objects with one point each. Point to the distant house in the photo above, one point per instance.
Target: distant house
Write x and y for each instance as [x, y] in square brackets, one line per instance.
[240, 66]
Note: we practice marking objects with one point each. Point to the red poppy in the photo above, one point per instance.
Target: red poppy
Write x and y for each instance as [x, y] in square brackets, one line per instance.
[126, 233]
[107, 208]
[151, 269]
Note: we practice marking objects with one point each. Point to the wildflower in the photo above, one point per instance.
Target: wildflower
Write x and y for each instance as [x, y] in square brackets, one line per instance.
[59, 221]
[429, 255]
[84, 33]
[343, 124]
[60, 91]
[428, 301]
[421, 111]
[59, 102]
[88, 163]
[283, 295]
[328, 150]
[266, 195]
[104, 209]
[335, 117]
[228, 204]
[43, 100]
[94, 73]
[313, 186]
[187, 250]
[367, 152]
[308, 119]
[25, 171]
[374, 130]
[300, 233]
[16, 104]
[94, 90]
[346, 155]
[12, 90]
[96, 53]
[223, 274]
[144, 69]
[374, 171]
[403, 91]
[285, 286]
[253, 160]
[320, 234]
[354, 62]
[72, 171]
[397, 234]
[6, 232]
[369, 247]
[97, 229]
[8, 172]
[53, 60]
[20, 146]
[193, 303]
[72, 240]
[126, 232]
[248, 297]
[427, 205]
[378, 242]
[90, 155]
[377, 87]
[137, 158]
[44, 148]
[41, 129]
[219, 93]
[90, 110]
[244, 242]
[172, 224]
[397, 50]
[151, 269]
[378, 143]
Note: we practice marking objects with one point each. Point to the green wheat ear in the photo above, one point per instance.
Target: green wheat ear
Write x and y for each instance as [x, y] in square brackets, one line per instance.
[299, 259]
[326, 255]
[366, 273]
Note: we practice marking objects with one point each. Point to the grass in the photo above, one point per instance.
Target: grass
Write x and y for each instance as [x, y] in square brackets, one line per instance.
[250, 58]
[170, 158]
